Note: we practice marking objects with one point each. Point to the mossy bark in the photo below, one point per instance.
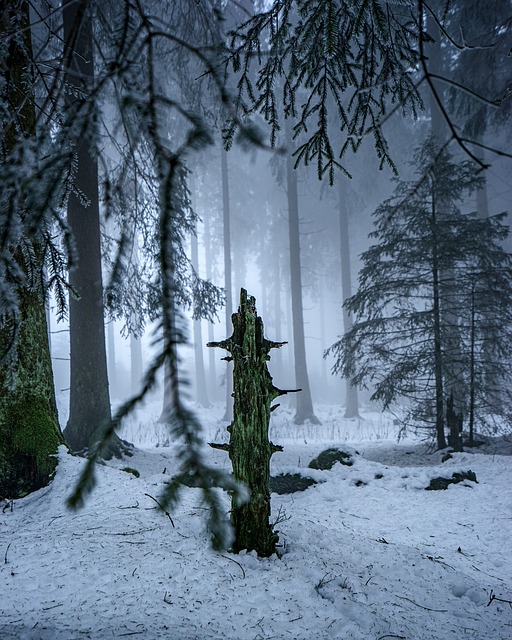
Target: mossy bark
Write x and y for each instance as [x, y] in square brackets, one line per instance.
[29, 428]
[249, 447]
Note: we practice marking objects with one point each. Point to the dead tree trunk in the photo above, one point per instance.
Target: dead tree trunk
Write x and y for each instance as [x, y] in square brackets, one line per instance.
[249, 447]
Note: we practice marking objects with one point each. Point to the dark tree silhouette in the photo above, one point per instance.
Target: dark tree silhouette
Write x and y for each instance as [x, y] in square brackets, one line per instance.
[29, 427]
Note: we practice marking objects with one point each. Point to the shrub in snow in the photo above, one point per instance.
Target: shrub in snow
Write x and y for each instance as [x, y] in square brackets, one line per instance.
[326, 460]
[290, 483]
[437, 484]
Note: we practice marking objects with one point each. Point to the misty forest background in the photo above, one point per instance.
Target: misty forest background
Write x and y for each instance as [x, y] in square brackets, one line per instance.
[348, 163]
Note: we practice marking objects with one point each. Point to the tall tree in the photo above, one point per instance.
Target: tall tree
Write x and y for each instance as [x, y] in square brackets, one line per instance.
[304, 403]
[439, 134]
[351, 396]
[201, 391]
[29, 427]
[228, 287]
[89, 401]
[212, 374]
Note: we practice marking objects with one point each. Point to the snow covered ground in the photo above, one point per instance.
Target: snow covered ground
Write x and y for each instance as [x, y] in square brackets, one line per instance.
[368, 554]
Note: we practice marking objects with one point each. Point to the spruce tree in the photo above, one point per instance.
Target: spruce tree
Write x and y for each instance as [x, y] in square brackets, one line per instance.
[399, 344]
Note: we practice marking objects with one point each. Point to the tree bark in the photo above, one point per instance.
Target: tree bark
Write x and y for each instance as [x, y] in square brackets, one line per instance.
[249, 448]
[89, 403]
[29, 427]
[305, 410]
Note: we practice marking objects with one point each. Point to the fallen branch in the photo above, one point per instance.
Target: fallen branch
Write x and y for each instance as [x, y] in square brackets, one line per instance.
[6, 551]
[228, 558]
[493, 598]
[166, 512]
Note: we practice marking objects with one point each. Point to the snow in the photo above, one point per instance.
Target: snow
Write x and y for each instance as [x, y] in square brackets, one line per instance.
[380, 558]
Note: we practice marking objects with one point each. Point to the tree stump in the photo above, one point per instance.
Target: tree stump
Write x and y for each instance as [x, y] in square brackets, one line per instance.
[249, 447]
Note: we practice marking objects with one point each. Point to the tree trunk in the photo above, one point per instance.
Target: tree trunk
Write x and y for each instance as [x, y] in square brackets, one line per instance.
[323, 342]
[29, 427]
[435, 65]
[89, 402]
[351, 397]
[111, 358]
[452, 370]
[172, 392]
[488, 347]
[278, 367]
[472, 390]
[201, 393]
[228, 415]
[249, 448]
[304, 403]
[438, 364]
[454, 424]
[135, 363]
[212, 373]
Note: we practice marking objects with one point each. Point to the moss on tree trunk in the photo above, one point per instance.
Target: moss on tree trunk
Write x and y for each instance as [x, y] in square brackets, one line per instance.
[29, 428]
[249, 447]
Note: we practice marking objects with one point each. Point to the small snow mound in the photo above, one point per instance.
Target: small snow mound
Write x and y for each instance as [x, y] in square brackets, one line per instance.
[459, 589]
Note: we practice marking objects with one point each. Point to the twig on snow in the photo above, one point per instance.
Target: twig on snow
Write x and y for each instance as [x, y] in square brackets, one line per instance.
[494, 597]
[421, 606]
[6, 552]
[166, 512]
[295, 619]
[133, 506]
[228, 558]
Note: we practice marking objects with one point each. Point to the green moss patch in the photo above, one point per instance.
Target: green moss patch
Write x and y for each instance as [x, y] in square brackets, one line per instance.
[134, 472]
[29, 439]
[327, 459]
[439, 484]
[290, 483]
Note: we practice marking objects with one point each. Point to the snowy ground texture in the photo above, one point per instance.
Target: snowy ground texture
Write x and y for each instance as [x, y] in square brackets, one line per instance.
[385, 559]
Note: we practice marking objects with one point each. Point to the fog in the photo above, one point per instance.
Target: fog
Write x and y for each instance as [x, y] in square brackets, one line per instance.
[260, 257]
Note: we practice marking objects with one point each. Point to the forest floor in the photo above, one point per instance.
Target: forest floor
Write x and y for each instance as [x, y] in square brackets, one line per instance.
[367, 553]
